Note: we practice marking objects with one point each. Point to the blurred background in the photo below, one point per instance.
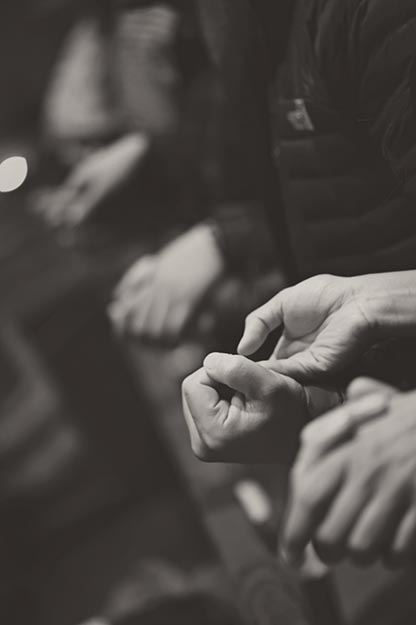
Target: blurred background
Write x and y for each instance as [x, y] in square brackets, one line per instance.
[119, 146]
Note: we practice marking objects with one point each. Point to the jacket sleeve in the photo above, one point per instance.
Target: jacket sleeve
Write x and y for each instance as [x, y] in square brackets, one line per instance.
[245, 180]
[382, 50]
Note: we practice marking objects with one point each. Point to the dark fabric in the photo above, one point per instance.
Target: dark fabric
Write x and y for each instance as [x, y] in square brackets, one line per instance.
[245, 54]
[210, 122]
[346, 132]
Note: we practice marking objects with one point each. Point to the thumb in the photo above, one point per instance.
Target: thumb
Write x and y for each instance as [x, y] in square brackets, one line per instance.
[261, 323]
[240, 374]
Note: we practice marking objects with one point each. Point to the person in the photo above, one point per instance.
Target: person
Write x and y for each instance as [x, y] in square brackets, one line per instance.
[234, 239]
[345, 138]
[344, 125]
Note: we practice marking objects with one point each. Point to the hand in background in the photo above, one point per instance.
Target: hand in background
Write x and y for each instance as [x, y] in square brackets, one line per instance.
[353, 486]
[240, 411]
[161, 294]
[94, 180]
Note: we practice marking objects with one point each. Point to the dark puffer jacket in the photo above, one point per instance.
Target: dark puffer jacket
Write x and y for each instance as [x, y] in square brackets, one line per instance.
[346, 137]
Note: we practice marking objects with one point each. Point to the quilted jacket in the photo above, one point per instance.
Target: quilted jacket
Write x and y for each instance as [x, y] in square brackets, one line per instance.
[345, 136]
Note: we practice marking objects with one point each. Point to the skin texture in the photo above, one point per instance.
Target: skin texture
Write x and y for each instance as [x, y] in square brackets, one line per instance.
[324, 328]
[353, 485]
[240, 411]
[327, 321]
[161, 294]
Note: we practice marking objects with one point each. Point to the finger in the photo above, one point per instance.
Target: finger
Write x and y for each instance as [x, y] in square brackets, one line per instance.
[127, 313]
[310, 497]
[366, 386]
[203, 404]
[332, 535]
[176, 323]
[121, 305]
[261, 323]
[198, 446]
[376, 526]
[240, 374]
[338, 426]
[58, 205]
[138, 314]
[139, 272]
[78, 211]
[402, 549]
[78, 179]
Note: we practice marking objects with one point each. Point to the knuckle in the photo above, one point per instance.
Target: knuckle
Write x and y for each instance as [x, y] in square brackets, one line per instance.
[215, 443]
[202, 452]
[187, 385]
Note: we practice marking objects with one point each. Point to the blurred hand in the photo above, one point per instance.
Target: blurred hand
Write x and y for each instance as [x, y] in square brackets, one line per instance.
[353, 487]
[162, 294]
[93, 181]
[240, 411]
[325, 326]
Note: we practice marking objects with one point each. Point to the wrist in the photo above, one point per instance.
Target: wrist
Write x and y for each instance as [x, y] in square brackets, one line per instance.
[388, 302]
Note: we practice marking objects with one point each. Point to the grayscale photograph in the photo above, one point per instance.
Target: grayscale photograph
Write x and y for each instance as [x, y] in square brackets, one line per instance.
[208, 312]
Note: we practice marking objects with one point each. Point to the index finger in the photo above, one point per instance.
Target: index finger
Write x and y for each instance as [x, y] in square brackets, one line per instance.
[261, 323]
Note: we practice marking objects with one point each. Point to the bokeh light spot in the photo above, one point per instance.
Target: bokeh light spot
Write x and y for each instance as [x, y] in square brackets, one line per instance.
[13, 173]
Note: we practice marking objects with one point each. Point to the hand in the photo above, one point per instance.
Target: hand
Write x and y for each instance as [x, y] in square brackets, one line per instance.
[162, 294]
[325, 326]
[240, 411]
[353, 487]
[93, 182]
